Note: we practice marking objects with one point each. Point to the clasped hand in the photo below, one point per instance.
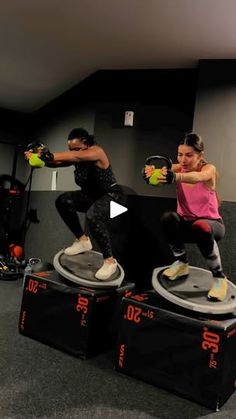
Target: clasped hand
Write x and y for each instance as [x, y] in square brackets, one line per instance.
[149, 170]
[28, 153]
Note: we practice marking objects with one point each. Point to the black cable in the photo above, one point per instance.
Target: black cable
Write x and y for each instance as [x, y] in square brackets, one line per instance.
[25, 228]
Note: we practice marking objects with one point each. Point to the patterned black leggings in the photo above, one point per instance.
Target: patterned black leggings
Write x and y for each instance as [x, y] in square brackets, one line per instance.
[97, 215]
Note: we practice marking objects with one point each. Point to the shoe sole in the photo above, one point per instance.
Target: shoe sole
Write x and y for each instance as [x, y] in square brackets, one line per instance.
[74, 254]
[216, 299]
[212, 298]
[107, 278]
[178, 277]
[173, 278]
[77, 253]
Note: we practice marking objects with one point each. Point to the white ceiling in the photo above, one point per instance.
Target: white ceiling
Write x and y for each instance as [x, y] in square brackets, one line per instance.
[48, 46]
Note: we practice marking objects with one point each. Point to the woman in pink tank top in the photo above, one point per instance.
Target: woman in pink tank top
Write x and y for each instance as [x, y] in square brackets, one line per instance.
[197, 218]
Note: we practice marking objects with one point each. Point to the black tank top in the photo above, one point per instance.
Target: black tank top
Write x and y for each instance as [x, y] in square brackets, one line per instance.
[92, 179]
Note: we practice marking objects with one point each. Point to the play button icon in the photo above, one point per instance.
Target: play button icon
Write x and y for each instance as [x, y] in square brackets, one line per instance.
[116, 209]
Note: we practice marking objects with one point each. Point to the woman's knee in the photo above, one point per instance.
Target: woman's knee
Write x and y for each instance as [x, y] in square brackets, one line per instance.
[202, 230]
[202, 226]
[93, 215]
[169, 217]
[63, 201]
[98, 211]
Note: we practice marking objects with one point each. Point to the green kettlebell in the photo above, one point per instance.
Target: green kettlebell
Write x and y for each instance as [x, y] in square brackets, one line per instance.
[157, 172]
[35, 161]
[153, 179]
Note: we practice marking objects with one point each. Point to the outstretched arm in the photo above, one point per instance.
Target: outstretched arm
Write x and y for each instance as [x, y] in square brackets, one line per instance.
[207, 173]
[93, 153]
[52, 163]
[57, 164]
[163, 176]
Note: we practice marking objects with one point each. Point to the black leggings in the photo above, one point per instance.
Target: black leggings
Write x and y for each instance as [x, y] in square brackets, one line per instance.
[204, 232]
[97, 215]
[201, 231]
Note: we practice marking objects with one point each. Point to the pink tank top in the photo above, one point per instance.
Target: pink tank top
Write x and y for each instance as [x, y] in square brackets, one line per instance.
[196, 201]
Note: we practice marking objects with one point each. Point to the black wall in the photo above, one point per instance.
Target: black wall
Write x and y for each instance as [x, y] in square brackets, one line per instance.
[163, 105]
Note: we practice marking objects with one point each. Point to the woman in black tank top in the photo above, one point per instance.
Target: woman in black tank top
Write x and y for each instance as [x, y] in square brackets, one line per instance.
[94, 175]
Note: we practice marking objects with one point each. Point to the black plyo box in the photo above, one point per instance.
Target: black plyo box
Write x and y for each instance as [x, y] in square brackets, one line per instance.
[78, 320]
[187, 353]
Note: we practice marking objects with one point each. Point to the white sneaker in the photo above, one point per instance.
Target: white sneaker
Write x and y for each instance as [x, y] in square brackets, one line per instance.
[176, 270]
[79, 246]
[106, 271]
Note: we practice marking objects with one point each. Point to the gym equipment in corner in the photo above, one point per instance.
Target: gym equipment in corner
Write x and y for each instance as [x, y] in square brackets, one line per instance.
[11, 200]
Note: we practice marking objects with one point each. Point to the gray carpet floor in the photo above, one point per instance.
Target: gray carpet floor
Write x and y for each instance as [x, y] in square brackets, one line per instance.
[37, 381]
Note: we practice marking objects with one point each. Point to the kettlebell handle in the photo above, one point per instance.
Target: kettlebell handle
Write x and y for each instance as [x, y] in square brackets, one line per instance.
[165, 159]
[34, 147]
